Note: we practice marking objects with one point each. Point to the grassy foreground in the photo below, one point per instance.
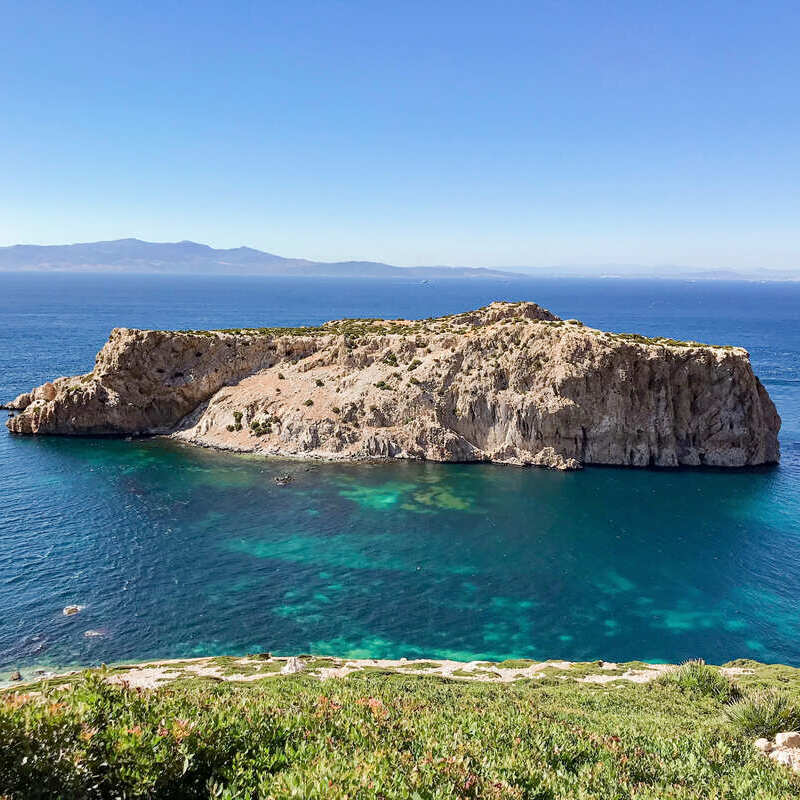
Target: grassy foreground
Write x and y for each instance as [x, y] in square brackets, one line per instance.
[389, 735]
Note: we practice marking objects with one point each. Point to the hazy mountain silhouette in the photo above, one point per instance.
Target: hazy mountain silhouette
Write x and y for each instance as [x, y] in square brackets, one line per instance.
[134, 255]
[191, 258]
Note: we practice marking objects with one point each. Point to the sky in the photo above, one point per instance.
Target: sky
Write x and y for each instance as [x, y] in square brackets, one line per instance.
[485, 134]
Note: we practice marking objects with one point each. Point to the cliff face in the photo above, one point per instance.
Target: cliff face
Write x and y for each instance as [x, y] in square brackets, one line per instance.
[510, 383]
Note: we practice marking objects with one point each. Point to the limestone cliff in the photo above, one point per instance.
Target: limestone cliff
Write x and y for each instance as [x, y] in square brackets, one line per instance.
[509, 383]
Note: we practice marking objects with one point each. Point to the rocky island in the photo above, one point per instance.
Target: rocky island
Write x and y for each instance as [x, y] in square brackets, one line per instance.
[508, 383]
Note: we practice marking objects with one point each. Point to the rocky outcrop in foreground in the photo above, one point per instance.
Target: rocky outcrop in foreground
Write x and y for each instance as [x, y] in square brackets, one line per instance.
[509, 383]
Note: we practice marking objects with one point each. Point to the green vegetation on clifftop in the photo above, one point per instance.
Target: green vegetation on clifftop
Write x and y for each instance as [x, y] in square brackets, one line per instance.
[458, 324]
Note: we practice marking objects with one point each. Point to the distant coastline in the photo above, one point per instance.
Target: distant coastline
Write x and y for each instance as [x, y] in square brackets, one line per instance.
[137, 257]
[133, 256]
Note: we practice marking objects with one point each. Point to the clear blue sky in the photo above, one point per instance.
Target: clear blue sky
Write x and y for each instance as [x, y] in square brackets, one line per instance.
[500, 133]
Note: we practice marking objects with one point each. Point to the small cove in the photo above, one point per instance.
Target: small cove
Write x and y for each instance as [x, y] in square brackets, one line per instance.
[176, 551]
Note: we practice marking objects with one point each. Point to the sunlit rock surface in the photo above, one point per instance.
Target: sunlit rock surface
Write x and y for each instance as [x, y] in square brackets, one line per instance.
[508, 383]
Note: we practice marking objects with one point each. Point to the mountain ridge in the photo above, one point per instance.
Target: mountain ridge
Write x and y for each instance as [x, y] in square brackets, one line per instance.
[137, 256]
[186, 257]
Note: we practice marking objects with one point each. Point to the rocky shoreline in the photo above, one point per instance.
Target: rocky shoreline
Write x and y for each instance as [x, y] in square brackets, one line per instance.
[509, 383]
[150, 674]
[255, 667]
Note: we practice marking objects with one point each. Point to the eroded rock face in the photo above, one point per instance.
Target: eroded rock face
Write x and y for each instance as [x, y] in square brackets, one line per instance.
[509, 383]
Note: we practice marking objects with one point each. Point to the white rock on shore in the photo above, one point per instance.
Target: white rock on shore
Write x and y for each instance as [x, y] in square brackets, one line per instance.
[292, 666]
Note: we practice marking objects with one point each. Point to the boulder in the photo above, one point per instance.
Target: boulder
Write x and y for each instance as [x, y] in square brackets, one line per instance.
[293, 666]
[782, 757]
[788, 739]
[764, 745]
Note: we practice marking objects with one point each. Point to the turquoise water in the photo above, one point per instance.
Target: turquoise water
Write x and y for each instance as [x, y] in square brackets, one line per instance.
[176, 551]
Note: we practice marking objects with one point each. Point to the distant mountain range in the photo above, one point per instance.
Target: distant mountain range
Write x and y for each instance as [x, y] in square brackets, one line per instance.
[191, 258]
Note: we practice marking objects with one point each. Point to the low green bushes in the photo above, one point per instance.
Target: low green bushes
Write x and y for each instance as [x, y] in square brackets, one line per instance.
[261, 427]
[754, 711]
[374, 736]
[765, 712]
[697, 678]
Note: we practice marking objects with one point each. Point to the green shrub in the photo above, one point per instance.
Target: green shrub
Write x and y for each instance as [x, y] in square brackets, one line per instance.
[308, 402]
[319, 382]
[281, 376]
[764, 713]
[700, 679]
[229, 428]
[261, 428]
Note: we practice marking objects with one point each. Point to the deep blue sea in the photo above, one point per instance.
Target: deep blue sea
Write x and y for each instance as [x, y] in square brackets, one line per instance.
[175, 551]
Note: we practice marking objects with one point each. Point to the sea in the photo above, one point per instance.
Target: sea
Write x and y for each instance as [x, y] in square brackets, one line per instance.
[172, 551]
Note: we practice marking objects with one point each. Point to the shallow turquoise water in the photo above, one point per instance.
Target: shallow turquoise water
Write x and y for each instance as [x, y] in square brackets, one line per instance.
[176, 551]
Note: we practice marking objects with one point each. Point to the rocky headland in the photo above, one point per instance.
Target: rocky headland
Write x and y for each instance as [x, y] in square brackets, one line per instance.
[508, 383]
